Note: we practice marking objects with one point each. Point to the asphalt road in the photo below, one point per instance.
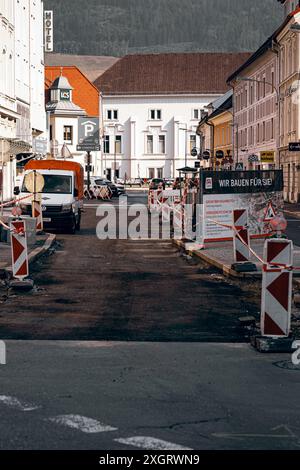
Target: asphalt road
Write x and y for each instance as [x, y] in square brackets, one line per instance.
[124, 290]
[159, 396]
[174, 372]
[293, 229]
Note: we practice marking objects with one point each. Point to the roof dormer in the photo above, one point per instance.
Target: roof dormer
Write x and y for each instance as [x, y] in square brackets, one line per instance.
[61, 90]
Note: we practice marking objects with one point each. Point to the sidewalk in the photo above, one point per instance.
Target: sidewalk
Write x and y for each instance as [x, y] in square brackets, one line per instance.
[220, 255]
[43, 244]
[292, 209]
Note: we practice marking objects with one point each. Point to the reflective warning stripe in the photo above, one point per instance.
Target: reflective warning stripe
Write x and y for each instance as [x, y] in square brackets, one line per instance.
[19, 249]
[241, 239]
[277, 289]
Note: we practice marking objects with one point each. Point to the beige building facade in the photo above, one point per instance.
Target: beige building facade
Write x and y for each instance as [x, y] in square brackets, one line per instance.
[255, 108]
[288, 40]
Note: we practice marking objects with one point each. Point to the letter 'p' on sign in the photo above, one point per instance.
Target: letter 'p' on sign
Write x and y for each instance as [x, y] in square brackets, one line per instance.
[2, 353]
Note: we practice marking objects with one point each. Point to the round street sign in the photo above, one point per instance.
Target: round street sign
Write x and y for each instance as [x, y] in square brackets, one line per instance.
[253, 158]
[206, 155]
[219, 154]
[34, 182]
[194, 152]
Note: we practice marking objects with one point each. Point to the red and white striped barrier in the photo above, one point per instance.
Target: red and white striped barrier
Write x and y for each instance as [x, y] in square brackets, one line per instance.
[241, 238]
[19, 249]
[153, 203]
[277, 288]
[178, 220]
[38, 215]
[15, 201]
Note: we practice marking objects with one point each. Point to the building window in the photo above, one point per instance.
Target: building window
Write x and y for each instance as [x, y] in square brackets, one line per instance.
[155, 114]
[118, 144]
[51, 133]
[272, 128]
[192, 142]
[68, 134]
[112, 114]
[150, 144]
[264, 132]
[162, 144]
[106, 144]
[151, 173]
[160, 173]
[264, 87]
[197, 114]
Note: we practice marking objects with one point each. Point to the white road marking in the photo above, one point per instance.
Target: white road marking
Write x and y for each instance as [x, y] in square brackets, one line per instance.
[254, 436]
[13, 402]
[150, 443]
[82, 423]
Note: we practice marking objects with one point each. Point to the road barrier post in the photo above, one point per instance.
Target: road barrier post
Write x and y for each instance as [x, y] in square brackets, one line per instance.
[38, 215]
[277, 288]
[240, 235]
[19, 249]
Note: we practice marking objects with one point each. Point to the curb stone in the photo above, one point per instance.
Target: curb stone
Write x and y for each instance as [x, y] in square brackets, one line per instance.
[226, 270]
[292, 214]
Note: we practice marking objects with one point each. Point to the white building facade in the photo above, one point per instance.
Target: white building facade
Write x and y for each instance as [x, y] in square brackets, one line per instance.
[64, 117]
[151, 105]
[150, 137]
[22, 109]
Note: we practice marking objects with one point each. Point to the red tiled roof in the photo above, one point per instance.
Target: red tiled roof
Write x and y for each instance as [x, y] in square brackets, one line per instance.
[91, 66]
[85, 94]
[187, 73]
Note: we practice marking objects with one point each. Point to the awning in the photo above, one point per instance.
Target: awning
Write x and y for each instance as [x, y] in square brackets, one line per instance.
[13, 147]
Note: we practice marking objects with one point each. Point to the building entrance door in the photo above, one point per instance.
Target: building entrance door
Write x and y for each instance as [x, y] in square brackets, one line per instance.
[108, 174]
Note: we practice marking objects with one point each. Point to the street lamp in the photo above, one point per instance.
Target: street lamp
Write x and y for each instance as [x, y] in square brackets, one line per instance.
[248, 79]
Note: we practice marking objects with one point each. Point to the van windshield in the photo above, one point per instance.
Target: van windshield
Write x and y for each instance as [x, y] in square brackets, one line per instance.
[55, 184]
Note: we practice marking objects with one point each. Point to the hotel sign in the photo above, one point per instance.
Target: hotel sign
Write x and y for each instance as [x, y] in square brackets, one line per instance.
[48, 30]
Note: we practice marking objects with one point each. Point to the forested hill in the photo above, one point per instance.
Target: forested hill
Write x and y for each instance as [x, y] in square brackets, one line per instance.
[118, 27]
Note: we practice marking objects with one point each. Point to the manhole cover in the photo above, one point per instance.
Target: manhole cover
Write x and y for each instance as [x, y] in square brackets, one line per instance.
[286, 365]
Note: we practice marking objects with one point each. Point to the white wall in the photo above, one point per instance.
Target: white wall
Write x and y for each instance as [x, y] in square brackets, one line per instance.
[135, 124]
[7, 55]
[8, 106]
[22, 113]
[58, 123]
[30, 66]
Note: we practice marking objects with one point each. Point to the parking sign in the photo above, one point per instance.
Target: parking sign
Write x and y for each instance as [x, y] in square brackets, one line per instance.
[88, 134]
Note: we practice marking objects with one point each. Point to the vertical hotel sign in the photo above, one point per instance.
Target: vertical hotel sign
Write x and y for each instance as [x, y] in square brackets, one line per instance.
[48, 30]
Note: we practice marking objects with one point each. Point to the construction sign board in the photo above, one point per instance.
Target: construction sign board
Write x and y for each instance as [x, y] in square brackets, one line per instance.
[267, 157]
[270, 212]
[232, 190]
